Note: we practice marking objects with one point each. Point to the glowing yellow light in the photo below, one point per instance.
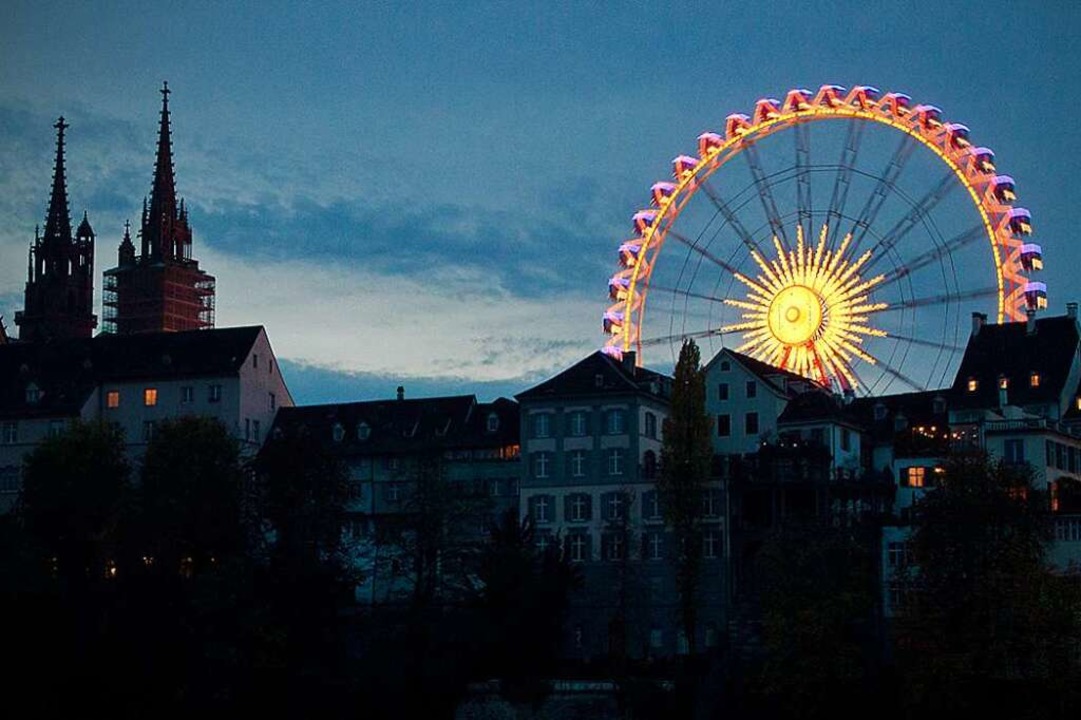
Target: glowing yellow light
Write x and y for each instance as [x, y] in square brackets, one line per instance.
[808, 311]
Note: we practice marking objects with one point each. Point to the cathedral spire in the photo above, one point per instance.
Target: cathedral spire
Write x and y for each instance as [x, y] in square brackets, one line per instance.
[163, 211]
[58, 219]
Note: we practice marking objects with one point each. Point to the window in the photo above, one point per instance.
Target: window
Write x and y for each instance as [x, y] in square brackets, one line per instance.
[973, 385]
[273, 401]
[818, 436]
[33, 394]
[654, 544]
[255, 430]
[214, 393]
[712, 638]
[148, 431]
[649, 465]
[9, 480]
[722, 392]
[9, 433]
[899, 555]
[616, 422]
[255, 360]
[750, 424]
[150, 397]
[598, 381]
[846, 439]
[1034, 379]
[580, 546]
[112, 399]
[724, 426]
[187, 394]
[711, 544]
[493, 422]
[338, 432]
[579, 507]
[651, 425]
[915, 476]
[577, 423]
[56, 428]
[725, 366]
[541, 508]
[711, 503]
[614, 547]
[615, 461]
[656, 638]
[544, 541]
[880, 411]
[578, 463]
[1003, 382]
[752, 389]
[364, 431]
[247, 429]
[1014, 451]
[615, 506]
[541, 463]
[651, 505]
[542, 425]
[393, 492]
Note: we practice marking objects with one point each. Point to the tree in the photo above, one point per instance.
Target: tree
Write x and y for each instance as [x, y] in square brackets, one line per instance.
[985, 610]
[686, 457]
[191, 496]
[75, 486]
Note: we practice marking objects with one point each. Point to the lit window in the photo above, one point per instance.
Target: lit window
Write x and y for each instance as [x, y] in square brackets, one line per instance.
[1003, 383]
[915, 476]
[150, 397]
[973, 385]
[1034, 379]
[112, 399]
[1077, 402]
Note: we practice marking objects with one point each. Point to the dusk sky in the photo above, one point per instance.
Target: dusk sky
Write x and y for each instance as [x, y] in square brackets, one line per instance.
[431, 194]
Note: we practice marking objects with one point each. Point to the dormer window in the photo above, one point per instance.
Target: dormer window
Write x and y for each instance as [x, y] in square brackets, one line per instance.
[725, 366]
[880, 412]
[338, 432]
[493, 422]
[598, 380]
[1034, 379]
[1003, 382]
[364, 431]
[33, 394]
[973, 385]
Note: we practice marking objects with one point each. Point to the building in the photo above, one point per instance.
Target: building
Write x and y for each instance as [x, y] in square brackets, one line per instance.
[591, 443]
[136, 382]
[450, 462]
[162, 287]
[59, 300]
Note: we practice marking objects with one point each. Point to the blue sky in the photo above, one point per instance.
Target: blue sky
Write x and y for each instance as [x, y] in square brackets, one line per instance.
[431, 194]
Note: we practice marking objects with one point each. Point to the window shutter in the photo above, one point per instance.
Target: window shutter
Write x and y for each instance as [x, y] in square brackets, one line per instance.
[589, 506]
[568, 506]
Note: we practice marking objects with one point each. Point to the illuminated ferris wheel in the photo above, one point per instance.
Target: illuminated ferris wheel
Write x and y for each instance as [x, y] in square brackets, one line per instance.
[852, 252]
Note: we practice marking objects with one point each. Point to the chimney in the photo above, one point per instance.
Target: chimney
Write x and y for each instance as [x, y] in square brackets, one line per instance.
[978, 320]
[1071, 310]
[401, 392]
[1030, 322]
[629, 361]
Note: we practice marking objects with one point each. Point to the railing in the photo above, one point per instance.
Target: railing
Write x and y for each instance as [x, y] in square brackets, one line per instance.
[1068, 529]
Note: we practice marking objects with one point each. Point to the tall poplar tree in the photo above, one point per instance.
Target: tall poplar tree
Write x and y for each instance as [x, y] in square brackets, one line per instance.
[686, 457]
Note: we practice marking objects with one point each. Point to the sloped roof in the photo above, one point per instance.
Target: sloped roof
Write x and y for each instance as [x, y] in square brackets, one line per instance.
[777, 379]
[67, 371]
[599, 374]
[1009, 350]
[406, 425]
[917, 408]
[817, 406]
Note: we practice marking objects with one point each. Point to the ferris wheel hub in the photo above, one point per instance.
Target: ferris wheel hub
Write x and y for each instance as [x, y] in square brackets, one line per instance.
[795, 315]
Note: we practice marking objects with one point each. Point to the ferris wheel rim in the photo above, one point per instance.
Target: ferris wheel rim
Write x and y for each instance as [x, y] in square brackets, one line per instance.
[949, 142]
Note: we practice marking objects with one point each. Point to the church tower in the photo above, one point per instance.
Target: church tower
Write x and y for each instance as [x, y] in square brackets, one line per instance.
[59, 301]
[160, 288]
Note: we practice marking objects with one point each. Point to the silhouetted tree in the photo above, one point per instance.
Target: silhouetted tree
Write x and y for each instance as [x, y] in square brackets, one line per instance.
[686, 457]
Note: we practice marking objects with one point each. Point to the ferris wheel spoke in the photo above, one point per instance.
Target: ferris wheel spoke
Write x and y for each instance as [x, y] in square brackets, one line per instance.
[894, 372]
[765, 194]
[729, 215]
[914, 217]
[943, 299]
[804, 202]
[685, 293]
[885, 184]
[926, 343]
[696, 335]
[728, 268]
[931, 254]
[842, 181]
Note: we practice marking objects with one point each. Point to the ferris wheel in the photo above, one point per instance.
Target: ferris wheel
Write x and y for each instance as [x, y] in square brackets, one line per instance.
[843, 235]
